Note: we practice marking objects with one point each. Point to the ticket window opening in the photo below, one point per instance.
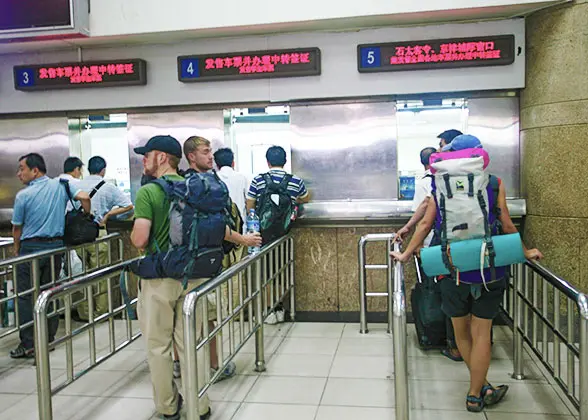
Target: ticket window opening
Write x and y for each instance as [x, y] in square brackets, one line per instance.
[105, 136]
[419, 124]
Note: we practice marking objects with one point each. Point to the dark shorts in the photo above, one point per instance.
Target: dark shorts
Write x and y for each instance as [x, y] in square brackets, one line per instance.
[458, 300]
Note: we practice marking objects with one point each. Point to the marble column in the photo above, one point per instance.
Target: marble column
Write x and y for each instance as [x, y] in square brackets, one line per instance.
[554, 135]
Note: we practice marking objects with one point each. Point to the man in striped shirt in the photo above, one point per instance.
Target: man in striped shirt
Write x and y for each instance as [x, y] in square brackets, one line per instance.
[276, 159]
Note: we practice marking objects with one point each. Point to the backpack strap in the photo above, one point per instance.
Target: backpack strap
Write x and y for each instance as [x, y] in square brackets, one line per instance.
[495, 187]
[96, 188]
[65, 183]
[489, 244]
[285, 181]
[470, 185]
[447, 185]
[444, 242]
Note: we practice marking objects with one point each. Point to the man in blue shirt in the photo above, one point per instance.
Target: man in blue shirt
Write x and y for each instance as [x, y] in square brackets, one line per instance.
[38, 223]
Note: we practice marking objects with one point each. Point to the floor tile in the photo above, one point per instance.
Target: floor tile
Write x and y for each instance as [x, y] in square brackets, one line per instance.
[8, 400]
[252, 411]
[127, 360]
[316, 330]
[220, 410]
[443, 368]
[365, 347]
[95, 383]
[531, 398]
[317, 365]
[278, 330]
[24, 380]
[374, 331]
[362, 367]
[288, 390]
[514, 416]
[135, 384]
[437, 395]
[326, 346]
[370, 413]
[234, 389]
[359, 392]
[271, 344]
[117, 408]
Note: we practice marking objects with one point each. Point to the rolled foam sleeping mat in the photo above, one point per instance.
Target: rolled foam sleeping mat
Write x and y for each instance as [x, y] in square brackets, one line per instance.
[466, 254]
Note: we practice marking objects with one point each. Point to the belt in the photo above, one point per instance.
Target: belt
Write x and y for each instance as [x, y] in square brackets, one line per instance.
[43, 239]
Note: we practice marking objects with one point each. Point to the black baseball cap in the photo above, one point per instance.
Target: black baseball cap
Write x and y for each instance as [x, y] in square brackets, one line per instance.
[167, 144]
[449, 135]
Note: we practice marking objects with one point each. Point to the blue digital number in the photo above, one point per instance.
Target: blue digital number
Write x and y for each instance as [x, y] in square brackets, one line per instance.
[25, 77]
[190, 68]
[371, 57]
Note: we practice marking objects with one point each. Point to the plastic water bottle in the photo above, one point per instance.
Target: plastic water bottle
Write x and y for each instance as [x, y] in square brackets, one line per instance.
[252, 227]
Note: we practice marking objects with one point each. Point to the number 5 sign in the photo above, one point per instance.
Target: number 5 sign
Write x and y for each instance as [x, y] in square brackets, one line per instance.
[370, 57]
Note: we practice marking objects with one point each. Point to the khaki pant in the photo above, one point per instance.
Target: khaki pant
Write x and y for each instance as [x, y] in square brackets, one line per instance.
[229, 260]
[160, 317]
[100, 291]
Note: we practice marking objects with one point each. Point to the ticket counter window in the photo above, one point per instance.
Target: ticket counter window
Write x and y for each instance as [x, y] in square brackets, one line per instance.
[105, 136]
[419, 124]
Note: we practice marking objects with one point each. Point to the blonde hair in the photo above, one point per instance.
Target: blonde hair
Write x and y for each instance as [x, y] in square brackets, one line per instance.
[192, 143]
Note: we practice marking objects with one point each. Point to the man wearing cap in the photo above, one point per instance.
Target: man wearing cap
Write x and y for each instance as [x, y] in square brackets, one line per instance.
[447, 137]
[470, 307]
[160, 300]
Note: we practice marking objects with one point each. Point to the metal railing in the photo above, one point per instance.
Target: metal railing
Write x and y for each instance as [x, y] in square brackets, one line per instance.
[396, 295]
[61, 297]
[551, 317]
[59, 273]
[262, 281]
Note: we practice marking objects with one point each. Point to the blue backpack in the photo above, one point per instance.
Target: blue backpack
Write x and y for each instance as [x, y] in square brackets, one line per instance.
[198, 219]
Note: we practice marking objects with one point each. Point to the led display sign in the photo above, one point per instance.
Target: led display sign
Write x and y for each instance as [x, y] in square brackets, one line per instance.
[80, 75]
[498, 50]
[34, 14]
[250, 65]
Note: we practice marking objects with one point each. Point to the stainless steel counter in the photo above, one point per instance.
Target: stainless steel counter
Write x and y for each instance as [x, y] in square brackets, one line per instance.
[377, 211]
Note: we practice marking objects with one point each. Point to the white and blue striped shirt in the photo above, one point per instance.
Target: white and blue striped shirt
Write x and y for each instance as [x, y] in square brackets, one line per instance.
[296, 187]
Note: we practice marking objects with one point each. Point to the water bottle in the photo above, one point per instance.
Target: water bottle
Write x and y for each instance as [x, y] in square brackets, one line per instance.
[252, 227]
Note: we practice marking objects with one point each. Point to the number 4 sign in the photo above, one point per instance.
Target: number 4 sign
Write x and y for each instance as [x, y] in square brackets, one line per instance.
[190, 69]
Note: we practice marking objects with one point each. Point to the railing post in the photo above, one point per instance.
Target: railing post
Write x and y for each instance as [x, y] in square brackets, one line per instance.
[42, 358]
[259, 344]
[36, 278]
[390, 272]
[583, 309]
[290, 245]
[518, 371]
[400, 344]
[363, 328]
[190, 380]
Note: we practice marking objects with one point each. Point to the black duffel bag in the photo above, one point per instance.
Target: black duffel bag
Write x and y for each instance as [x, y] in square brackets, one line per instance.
[80, 227]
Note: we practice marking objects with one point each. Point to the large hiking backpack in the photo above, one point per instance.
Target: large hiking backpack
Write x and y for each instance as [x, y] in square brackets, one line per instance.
[198, 220]
[274, 208]
[467, 208]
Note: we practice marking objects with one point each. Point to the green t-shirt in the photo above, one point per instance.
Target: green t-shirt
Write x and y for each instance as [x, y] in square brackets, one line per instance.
[152, 204]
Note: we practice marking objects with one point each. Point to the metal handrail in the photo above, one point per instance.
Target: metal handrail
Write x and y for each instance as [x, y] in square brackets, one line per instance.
[527, 310]
[42, 345]
[271, 269]
[396, 315]
[8, 272]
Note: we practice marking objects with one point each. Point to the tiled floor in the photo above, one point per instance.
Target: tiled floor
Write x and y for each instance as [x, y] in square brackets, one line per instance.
[314, 372]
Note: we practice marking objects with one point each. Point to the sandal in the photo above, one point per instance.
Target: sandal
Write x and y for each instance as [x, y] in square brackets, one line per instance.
[474, 404]
[496, 395]
[449, 354]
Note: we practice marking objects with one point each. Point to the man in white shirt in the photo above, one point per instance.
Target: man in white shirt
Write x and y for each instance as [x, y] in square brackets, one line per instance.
[236, 182]
[72, 169]
[422, 196]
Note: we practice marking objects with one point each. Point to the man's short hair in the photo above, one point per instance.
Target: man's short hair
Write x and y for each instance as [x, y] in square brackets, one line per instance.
[34, 160]
[192, 143]
[173, 161]
[96, 164]
[71, 164]
[224, 157]
[276, 156]
[426, 154]
[449, 135]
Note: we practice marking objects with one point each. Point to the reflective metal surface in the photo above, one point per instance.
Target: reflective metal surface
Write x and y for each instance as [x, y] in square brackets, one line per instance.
[495, 121]
[181, 125]
[377, 209]
[346, 151]
[46, 136]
